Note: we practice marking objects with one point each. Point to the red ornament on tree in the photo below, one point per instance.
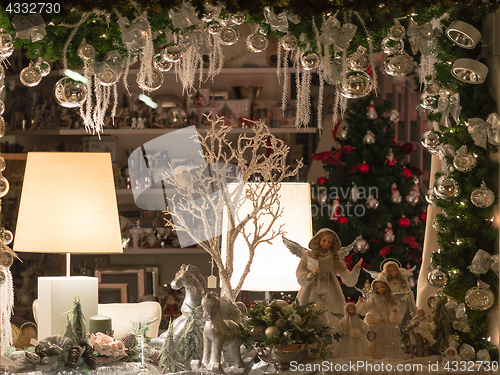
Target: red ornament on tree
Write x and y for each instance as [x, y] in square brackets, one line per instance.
[343, 220]
[423, 216]
[407, 172]
[320, 181]
[363, 168]
[404, 222]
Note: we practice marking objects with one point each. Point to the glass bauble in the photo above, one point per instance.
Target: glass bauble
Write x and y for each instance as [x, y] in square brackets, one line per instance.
[358, 61]
[431, 197]
[412, 198]
[399, 64]
[6, 44]
[446, 187]
[437, 278]
[30, 76]
[431, 88]
[154, 84]
[86, 51]
[430, 140]
[310, 60]
[214, 27]
[6, 259]
[482, 197]
[396, 32]
[369, 138]
[289, 42]
[7, 237]
[2, 164]
[432, 301]
[256, 42]
[70, 93]
[372, 203]
[394, 115]
[355, 85]
[361, 246]
[464, 162]
[237, 18]
[44, 68]
[428, 102]
[479, 298]
[229, 35]
[108, 77]
[390, 46]
[4, 186]
[2, 127]
[162, 64]
[2, 108]
[209, 13]
[343, 136]
[172, 53]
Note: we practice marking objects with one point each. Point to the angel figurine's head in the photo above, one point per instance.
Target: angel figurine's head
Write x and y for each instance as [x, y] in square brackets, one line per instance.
[350, 309]
[326, 241]
[382, 289]
[391, 271]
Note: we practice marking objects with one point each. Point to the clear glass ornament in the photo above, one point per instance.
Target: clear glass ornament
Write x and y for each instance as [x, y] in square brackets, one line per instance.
[430, 140]
[390, 46]
[2, 164]
[86, 51]
[229, 35]
[214, 27]
[432, 301]
[209, 13]
[30, 76]
[431, 197]
[432, 88]
[44, 68]
[162, 64]
[3, 277]
[358, 60]
[463, 161]
[4, 186]
[343, 135]
[310, 60]
[361, 246]
[372, 203]
[436, 226]
[2, 126]
[256, 42]
[7, 237]
[369, 138]
[172, 53]
[429, 102]
[399, 64]
[396, 32]
[2, 108]
[437, 278]
[70, 93]
[479, 298]
[6, 44]
[237, 18]
[446, 187]
[108, 77]
[156, 81]
[355, 85]
[289, 42]
[6, 259]
[482, 197]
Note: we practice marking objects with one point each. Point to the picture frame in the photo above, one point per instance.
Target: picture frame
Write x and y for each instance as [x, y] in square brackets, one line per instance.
[113, 293]
[133, 278]
[152, 280]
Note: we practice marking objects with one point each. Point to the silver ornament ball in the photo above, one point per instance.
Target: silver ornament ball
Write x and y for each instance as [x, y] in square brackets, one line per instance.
[355, 85]
[446, 187]
[70, 93]
[256, 43]
[310, 60]
[289, 42]
[482, 197]
[399, 64]
[464, 162]
[358, 61]
[437, 278]
[479, 298]
[30, 76]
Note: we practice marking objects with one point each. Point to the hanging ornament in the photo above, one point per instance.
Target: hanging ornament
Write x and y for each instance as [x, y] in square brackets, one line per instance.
[309, 60]
[390, 46]
[361, 246]
[161, 64]
[343, 220]
[322, 198]
[395, 195]
[407, 173]
[463, 34]
[321, 180]
[391, 160]
[482, 197]
[480, 297]
[359, 60]
[389, 234]
[156, 80]
[403, 222]
[372, 203]
[214, 27]
[172, 53]
[237, 18]
[209, 13]
[43, 67]
[363, 168]
[229, 35]
[437, 278]
[396, 32]
[354, 85]
[482, 262]
[86, 51]
[431, 88]
[335, 209]
[423, 216]
[257, 42]
[30, 76]
[432, 301]
[469, 71]
[394, 115]
[399, 64]
[431, 197]
[6, 44]
[413, 198]
[436, 226]
[371, 113]
[464, 161]
[289, 42]
[428, 102]
[107, 77]
[446, 187]
[343, 136]
[8, 237]
[354, 194]
[70, 93]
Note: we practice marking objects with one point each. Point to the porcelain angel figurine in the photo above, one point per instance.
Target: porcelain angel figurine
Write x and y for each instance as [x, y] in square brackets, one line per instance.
[397, 279]
[423, 325]
[353, 342]
[317, 273]
[381, 305]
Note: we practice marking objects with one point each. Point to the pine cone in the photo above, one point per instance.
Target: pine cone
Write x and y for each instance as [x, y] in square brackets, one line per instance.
[280, 323]
[73, 355]
[89, 358]
[128, 340]
[42, 349]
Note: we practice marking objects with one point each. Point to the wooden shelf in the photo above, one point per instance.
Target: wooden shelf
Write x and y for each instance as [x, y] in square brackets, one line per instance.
[163, 250]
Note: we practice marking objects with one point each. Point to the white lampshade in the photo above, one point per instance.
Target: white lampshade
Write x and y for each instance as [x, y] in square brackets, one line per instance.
[68, 204]
[274, 266]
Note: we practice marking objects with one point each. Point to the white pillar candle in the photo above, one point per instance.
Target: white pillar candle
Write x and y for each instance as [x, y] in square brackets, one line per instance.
[100, 323]
[55, 298]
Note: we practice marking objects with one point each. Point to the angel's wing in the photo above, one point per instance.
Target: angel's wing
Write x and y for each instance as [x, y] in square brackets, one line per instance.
[407, 273]
[373, 274]
[337, 315]
[366, 294]
[345, 250]
[294, 247]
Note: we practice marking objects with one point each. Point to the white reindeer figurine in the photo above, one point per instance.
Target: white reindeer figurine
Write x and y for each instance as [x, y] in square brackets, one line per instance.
[219, 335]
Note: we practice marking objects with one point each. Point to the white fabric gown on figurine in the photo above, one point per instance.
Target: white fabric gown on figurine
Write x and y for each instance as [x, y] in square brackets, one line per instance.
[353, 342]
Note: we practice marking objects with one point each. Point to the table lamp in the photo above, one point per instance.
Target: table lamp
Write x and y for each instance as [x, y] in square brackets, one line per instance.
[68, 205]
[273, 267]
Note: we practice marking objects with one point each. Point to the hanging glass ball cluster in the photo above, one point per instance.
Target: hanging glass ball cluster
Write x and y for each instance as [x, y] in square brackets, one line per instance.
[397, 62]
[356, 83]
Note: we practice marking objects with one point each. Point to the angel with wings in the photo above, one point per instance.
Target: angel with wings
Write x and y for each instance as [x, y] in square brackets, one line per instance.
[397, 279]
[317, 273]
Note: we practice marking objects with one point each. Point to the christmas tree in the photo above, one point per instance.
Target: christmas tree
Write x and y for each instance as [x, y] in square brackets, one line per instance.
[369, 194]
